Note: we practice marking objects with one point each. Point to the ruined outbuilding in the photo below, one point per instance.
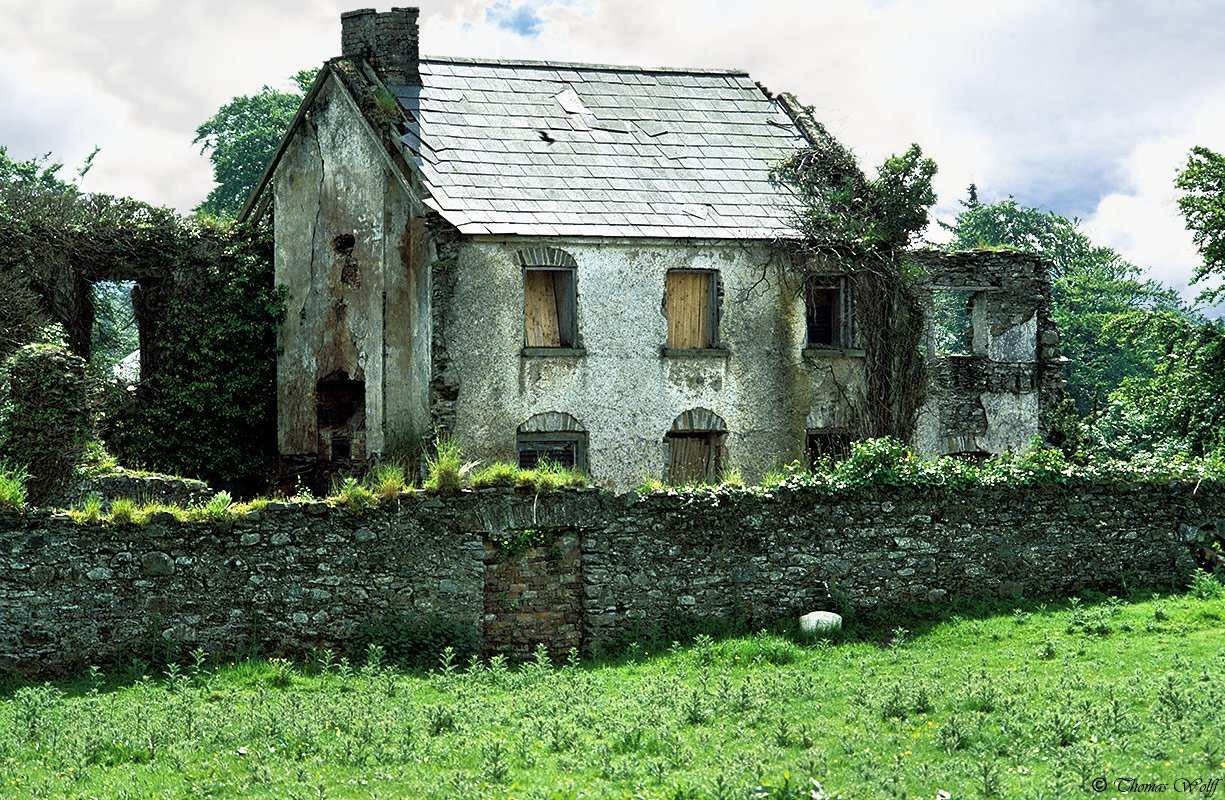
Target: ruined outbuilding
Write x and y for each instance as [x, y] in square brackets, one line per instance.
[584, 262]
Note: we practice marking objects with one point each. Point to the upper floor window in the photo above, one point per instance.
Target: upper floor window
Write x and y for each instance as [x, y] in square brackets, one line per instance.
[550, 298]
[827, 311]
[691, 303]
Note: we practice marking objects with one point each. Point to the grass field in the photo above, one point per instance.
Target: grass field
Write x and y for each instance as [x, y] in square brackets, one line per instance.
[1058, 699]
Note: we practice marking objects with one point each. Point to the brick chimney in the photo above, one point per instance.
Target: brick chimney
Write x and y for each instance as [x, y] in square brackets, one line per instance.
[388, 41]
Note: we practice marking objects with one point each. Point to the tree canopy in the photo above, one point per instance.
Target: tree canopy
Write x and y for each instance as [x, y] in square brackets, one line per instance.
[1203, 206]
[240, 140]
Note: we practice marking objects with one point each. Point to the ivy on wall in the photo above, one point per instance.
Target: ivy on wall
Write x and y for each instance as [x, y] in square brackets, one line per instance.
[44, 425]
[851, 223]
[205, 406]
[205, 305]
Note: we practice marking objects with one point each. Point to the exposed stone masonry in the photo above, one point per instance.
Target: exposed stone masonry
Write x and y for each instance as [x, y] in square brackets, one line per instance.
[296, 577]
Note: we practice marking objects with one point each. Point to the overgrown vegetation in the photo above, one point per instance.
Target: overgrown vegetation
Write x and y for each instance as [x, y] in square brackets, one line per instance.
[448, 472]
[849, 223]
[205, 301]
[13, 491]
[1014, 700]
[888, 462]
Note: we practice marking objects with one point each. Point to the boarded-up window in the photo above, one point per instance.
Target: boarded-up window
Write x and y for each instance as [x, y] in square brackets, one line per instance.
[690, 300]
[549, 307]
[694, 457]
[827, 311]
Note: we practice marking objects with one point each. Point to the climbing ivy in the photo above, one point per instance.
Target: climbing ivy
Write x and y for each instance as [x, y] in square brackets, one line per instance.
[208, 408]
[851, 223]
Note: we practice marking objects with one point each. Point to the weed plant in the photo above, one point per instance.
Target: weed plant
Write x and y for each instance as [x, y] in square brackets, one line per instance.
[446, 469]
[12, 487]
[965, 703]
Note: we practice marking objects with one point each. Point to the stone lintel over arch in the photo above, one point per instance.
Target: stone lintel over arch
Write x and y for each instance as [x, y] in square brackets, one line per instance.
[552, 422]
[701, 420]
[545, 257]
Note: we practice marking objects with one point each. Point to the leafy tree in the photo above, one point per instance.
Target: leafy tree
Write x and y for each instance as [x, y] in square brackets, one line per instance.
[1092, 286]
[1180, 408]
[240, 140]
[1203, 206]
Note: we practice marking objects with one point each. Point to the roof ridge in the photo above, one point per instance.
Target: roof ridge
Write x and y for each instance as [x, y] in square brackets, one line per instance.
[512, 62]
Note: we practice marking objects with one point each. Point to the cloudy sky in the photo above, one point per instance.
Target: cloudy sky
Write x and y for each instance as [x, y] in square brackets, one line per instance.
[1084, 107]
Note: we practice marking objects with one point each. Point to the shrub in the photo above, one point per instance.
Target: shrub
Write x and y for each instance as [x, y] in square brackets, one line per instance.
[417, 641]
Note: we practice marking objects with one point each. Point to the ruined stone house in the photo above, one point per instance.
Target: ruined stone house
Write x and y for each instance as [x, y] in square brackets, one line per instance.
[581, 262]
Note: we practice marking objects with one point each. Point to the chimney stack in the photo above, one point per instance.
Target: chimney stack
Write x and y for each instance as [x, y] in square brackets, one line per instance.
[388, 41]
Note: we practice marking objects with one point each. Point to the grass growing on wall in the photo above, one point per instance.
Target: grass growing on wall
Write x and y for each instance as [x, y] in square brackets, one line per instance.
[1034, 701]
[12, 488]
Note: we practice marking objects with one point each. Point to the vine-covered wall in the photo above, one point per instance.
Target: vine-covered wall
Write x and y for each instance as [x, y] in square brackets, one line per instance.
[298, 576]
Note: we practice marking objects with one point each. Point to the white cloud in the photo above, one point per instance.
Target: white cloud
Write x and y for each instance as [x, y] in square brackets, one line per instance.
[1141, 219]
[1062, 103]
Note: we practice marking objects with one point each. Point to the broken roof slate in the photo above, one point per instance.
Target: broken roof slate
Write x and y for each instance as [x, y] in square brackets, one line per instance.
[644, 152]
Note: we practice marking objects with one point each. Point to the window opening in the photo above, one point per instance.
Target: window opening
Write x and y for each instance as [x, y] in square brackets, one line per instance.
[691, 306]
[951, 331]
[549, 307]
[341, 412]
[564, 452]
[553, 435]
[827, 311]
[115, 337]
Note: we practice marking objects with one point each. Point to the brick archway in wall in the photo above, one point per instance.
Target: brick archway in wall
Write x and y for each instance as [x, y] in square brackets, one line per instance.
[534, 596]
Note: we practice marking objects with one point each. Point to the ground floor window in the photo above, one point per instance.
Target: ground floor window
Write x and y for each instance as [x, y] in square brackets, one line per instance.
[694, 457]
[694, 448]
[555, 436]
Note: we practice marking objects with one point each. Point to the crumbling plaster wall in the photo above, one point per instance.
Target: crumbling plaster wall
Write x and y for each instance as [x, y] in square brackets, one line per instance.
[995, 398]
[619, 384]
[356, 304]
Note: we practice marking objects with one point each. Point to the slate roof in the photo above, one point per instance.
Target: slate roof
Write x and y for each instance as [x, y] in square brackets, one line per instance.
[542, 148]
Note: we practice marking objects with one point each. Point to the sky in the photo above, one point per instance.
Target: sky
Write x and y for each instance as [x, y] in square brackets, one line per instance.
[1087, 108]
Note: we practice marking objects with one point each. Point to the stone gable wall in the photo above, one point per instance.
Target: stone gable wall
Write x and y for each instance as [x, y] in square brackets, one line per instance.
[296, 577]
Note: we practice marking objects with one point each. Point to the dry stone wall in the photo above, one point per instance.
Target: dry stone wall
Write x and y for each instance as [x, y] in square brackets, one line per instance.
[299, 576]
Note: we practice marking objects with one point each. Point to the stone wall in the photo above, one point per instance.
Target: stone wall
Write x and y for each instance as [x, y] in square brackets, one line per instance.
[138, 488]
[295, 577]
[994, 396]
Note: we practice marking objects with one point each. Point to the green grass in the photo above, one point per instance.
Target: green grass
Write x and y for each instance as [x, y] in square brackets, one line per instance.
[1032, 701]
[12, 487]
